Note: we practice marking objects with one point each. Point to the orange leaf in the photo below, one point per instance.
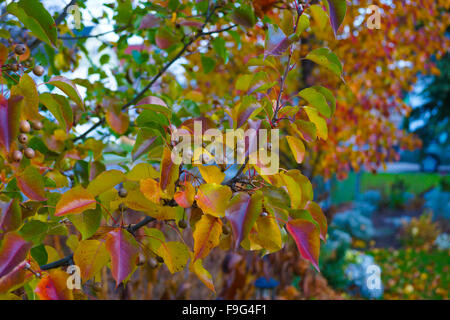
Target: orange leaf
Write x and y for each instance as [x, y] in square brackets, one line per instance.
[150, 189]
[206, 235]
[53, 286]
[76, 200]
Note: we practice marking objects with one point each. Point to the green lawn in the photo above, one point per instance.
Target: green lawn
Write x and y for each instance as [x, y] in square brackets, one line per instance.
[344, 191]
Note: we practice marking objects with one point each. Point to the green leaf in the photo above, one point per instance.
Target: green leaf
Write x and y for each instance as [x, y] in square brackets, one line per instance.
[88, 222]
[27, 88]
[317, 100]
[327, 59]
[208, 64]
[219, 46]
[59, 107]
[39, 254]
[69, 88]
[36, 18]
[244, 16]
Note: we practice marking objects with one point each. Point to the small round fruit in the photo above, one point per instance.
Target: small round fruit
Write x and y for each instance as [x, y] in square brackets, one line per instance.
[23, 138]
[37, 125]
[14, 67]
[152, 263]
[25, 126]
[159, 259]
[20, 49]
[38, 70]
[182, 224]
[29, 153]
[226, 230]
[17, 156]
[123, 193]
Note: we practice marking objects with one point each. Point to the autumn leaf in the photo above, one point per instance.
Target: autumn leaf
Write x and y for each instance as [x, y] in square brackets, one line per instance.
[306, 236]
[75, 201]
[31, 183]
[206, 235]
[105, 181]
[297, 148]
[30, 103]
[150, 189]
[317, 214]
[202, 274]
[124, 252]
[53, 286]
[91, 256]
[169, 174]
[242, 213]
[9, 120]
[69, 88]
[213, 198]
[13, 251]
[337, 10]
[10, 216]
[185, 197]
[175, 255]
[212, 174]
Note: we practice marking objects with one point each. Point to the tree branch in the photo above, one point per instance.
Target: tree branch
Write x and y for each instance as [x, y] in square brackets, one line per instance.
[162, 71]
[68, 260]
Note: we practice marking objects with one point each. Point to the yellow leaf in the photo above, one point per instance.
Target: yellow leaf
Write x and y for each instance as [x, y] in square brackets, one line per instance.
[213, 198]
[297, 148]
[175, 255]
[150, 189]
[142, 171]
[105, 181]
[206, 235]
[212, 174]
[203, 274]
[91, 256]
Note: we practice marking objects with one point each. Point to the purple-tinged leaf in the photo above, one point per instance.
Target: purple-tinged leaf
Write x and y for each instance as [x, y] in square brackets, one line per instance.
[9, 120]
[242, 214]
[276, 42]
[150, 21]
[306, 236]
[13, 251]
[10, 216]
[337, 9]
[124, 251]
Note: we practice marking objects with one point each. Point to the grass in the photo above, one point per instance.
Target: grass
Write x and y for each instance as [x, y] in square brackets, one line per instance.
[345, 190]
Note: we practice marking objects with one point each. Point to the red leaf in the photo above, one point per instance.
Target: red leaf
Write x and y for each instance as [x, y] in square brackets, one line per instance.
[9, 120]
[10, 216]
[317, 214]
[242, 213]
[76, 200]
[31, 184]
[306, 236]
[16, 278]
[53, 286]
[124, 252]
[12, 252]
